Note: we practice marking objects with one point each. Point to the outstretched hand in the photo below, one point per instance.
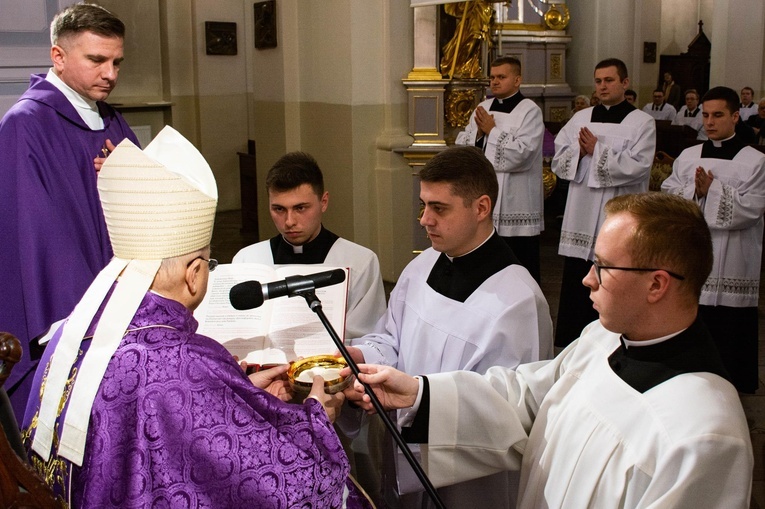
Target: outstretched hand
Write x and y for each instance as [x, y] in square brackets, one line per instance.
[332, 403]
[273, 380]
[393, 388]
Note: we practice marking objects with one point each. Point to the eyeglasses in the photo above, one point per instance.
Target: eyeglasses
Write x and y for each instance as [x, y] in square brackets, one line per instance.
[211, 263]
[598, 268]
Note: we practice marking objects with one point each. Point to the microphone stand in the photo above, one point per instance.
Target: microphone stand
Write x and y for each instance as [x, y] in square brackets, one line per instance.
[314, 303]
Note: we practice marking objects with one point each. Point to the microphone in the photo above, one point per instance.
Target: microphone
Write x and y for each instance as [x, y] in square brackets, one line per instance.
[252, 294]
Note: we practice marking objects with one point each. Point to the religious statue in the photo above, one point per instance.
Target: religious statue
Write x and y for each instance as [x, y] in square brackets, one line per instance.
[462, 54]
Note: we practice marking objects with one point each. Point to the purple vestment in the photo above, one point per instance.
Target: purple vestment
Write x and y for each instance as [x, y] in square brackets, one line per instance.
[176, 423]
[52, 231]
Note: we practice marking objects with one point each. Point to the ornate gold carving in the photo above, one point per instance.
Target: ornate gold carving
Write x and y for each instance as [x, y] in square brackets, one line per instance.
[558, 114]
[462, 54]
[459, 106]
[557, 16]
[549, 179]
[556, 66]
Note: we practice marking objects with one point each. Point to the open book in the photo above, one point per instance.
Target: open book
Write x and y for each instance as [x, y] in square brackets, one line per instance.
[282, 329]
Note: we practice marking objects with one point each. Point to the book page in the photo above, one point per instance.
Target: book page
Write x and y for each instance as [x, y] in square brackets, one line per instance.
[242, 332]
[279, 331]
[295, 328]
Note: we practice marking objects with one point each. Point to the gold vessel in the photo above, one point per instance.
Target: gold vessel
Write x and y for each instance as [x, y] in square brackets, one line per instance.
[301, 374]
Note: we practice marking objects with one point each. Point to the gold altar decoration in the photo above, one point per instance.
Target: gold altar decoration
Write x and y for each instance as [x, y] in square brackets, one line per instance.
[549, 179]
[462, 54]
[459, 106]
[557, 17]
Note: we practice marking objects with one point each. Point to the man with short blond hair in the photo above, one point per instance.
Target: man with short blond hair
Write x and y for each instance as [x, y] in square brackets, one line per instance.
[509, 129]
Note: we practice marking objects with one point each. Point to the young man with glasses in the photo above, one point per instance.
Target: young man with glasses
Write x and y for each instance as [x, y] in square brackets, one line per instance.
[636, 412]
[727, 179]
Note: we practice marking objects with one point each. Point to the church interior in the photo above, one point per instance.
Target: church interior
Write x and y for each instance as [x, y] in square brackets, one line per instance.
[360, 86]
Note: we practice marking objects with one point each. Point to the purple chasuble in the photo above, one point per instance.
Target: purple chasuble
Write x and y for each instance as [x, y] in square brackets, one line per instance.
[177, 423]
[52, 231]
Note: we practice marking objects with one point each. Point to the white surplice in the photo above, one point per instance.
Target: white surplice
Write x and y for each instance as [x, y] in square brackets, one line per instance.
[595, 441]
[514, 148]
[506, 321]
[733, 209]
[621, 164]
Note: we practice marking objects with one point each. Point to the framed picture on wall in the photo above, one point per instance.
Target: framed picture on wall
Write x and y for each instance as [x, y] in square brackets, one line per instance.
[265, 24]
[220, 37]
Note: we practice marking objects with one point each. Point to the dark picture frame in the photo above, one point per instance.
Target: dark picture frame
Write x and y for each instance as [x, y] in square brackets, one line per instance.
[265, 24]
[649, 52]
[220, 38]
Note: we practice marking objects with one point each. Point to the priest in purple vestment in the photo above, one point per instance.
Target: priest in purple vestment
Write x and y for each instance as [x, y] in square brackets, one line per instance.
[133, 408]
[52, 229]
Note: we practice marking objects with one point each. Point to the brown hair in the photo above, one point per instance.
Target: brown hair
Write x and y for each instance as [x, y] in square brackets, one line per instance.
[293, 170]
[511, 61]
[468, 172]
[621, 67]
[83, 17]
[671, 234]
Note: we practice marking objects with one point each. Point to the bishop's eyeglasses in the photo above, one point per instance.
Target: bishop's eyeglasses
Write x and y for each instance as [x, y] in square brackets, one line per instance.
[211, 263]
[598, 268]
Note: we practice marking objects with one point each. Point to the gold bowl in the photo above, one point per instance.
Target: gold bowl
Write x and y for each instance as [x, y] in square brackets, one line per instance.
[302, 371]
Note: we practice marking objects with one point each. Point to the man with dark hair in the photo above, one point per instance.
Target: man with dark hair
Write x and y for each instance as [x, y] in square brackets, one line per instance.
[463, 304]
[635, 413]
[604, 151]
[50, 141]
[690, 114]
[631, 96]
[747, 107]
[659, 109]
[297, 202]
[727, 179]
[509, 129]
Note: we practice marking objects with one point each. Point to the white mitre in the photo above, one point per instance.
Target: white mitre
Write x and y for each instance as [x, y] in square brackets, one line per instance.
[158, 203]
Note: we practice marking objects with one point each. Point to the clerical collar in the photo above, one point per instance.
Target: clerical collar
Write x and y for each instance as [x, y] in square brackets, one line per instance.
[459, 277]
[451, 258]
[86, 109]
[611, 114]
[508, 104]
[311, 252]
[722, 149]
[689, 351]
[719, 143]
[628, 342]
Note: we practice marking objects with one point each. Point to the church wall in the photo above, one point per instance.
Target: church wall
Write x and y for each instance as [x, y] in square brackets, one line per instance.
[738, 40]
[600, 29]
[338, 92]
